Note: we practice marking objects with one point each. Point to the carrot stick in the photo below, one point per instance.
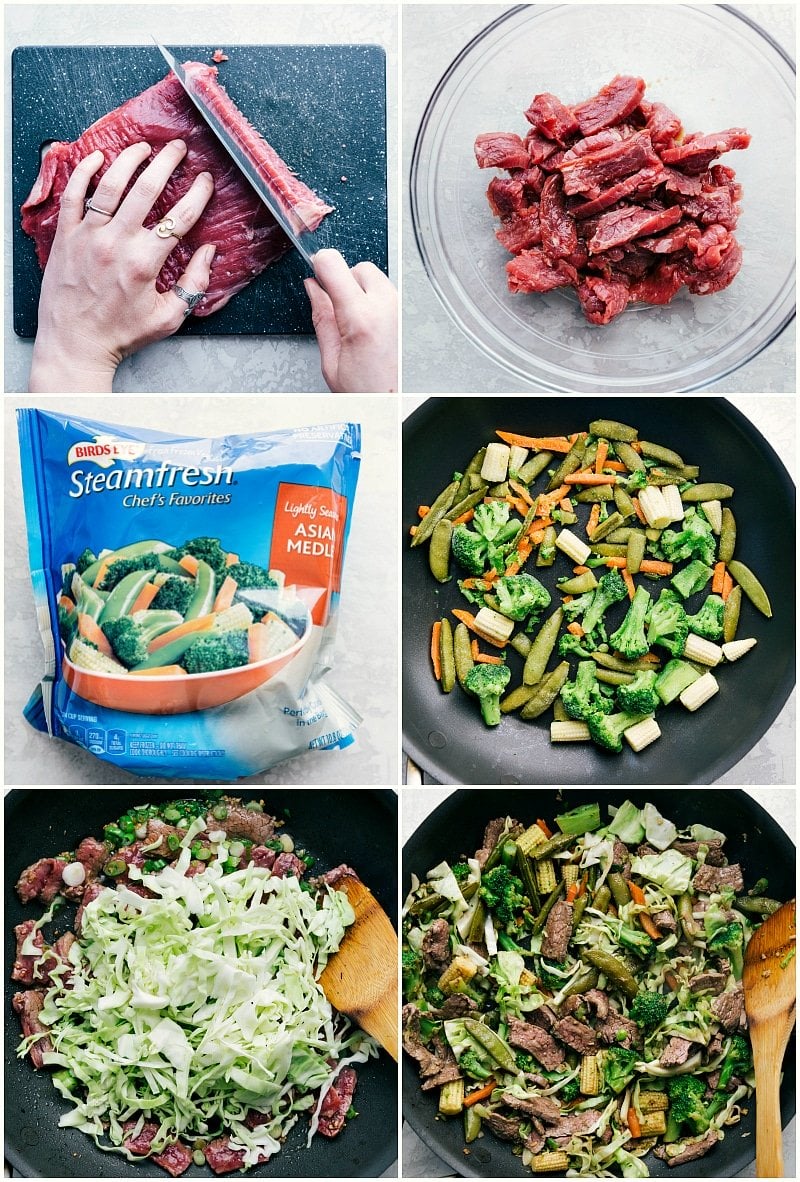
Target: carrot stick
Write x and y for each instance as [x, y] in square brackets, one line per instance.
[545, 828]
[423, 510]
[488, 659]
[639, 510]
[572, 892]
[189, 563]
[547, 501]
[518, 504]
[487, 1089]
[90, 630]
[67, 604]
[465, 517]
[650, 566]
[718, 582]
[651, 659]
[591, 478]
[581, 570]
[650, 927]
[225, 594]
[627, 578]
[637, 894]
[436, 657]
[201, 624]
[727, 586]
[102, 571]
[575, 629]
[474, 649]
[162, 671]
[614, 466]
[594, 518]
[258, 640]
[566, 504]
[231, 559]
[633, 1122]
[636, 445]
[522, 490]
[602, 456]
[145, 598]
[468, 619]
[619, 562]
[558, 443]
[537, 538]
[583, 886]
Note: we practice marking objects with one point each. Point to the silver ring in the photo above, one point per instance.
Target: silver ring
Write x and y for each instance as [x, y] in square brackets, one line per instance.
[192, 298]
[87, 205]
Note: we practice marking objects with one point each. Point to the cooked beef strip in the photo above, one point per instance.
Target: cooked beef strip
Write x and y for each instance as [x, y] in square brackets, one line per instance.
[711, 878]
[28, 1005]
[243, 823]
[709, 982]
[715, 856]
[541, 1107]
[457, 1006]
[22, 971]
[223, 1159]
[675, 1053]
[577, 1035]
[175, 1159]
[42, 880]
[614, 1023]
[436, 946]
[693, 1149]
[575, 1123]
[537, 1042]
[287, 866]
[557, 932]
[437, 1064]
[544, 1016]
[727, 1008]
[492, 835]
[665, 921]
[505, 1127]
[598, 1000]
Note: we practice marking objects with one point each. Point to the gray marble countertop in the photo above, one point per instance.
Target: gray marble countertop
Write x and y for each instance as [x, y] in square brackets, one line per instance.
[418, 1161]
[437, 356]
[203, 364]
[773, 760]
[365, 670]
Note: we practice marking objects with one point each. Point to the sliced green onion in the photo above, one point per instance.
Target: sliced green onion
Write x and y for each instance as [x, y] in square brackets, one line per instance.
[172, 814]
[219, 812]
[114, 866]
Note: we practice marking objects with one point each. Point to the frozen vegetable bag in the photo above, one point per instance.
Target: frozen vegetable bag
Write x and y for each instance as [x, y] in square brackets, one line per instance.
[187, 591]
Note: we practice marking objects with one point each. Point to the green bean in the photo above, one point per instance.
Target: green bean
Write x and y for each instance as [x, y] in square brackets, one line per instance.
[466, 503]
[691, 929]
[546, 692]
[585, 979]
[435, 513]
[608, 550]
[602, 899]
[594, 494]
[547, 907]
[706, 492]
[730, 616]
[619, 888]
[477, 923]
[427, 903]
[636, 546]
[727, 536]
[611, 429]
[555, 845]
[617, 972]
[542, 648]
[525, 872]
[757, 905]
[516, 698]
[577, 911]
[560, 711]
[571, 463]
[472, 1124]
[614, 677]
[547, 548]
[624, 503]
[497, 1047]
[654, 451]
[521, 644]
[578, 585]
[462, 654]
[751, 587]
[534, 466]
[612, 522]
[630, 458]
[609, 661]
[447, 656]
[439, 551]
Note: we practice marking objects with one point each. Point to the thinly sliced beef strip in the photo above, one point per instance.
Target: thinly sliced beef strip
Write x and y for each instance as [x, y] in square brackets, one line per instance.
[549, 116]
[244, 824]
[42, 880]
[532, 270]
[223, 1159]
[500, 149]
[247, 237]
[337, 1102]
[610, 105]
[175, 1159]
[28, 1005]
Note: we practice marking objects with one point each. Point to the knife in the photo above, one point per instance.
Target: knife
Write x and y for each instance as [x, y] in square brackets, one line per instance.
[303, 240]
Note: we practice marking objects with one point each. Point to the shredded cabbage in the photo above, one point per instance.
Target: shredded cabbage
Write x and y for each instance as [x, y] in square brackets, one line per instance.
[197, 1006]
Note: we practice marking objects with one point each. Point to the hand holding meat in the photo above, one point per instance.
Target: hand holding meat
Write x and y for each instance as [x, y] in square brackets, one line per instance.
[99, 301]
[354, 312]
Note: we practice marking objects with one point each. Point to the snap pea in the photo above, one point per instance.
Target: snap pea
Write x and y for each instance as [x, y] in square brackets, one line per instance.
[608, 549]
[521, 644]
[547, 907]
[654, 451]
[516, 698]
[497, 1047]
[124, 595]
[611, 429]
[613, 968]
[427, 904]
[691, 929]
[542, 648]
[436, 512]
[630, 458]
[706, 492]
[464, 504]
[473, 468]
[635, 554]
[508, 853]
[477, 924]
[205, 589]
[578, 909]
[652, 534]
[472, 1124]
[547, 549]
[727, 536]
[623, 502]
[602, 899]
[134, 550]
[758, 888]
[546, 692]
[439, 550]
[571, 463]
[447, 656]
[758, 905]
[586, 979]
[462, 654]
[593, 495]
[500, 490]
[171, 653]
[663, 476]
[609, 661]
[555, 845]
[578, 585]
[559, 711]
[612, 522]
[492, 602]
[534, 466]
[614, 677]
[619, 888]
[730, 616]
[476, 481]
[751, 587]
[568, 518]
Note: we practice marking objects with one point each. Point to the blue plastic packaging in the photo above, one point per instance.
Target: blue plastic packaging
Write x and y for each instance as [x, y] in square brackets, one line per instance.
[281, 500]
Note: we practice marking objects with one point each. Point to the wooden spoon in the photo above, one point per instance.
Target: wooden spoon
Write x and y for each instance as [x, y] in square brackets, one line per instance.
[770, 989]
[360, 980]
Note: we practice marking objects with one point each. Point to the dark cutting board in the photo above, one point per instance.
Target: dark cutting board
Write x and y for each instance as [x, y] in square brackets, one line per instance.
[322, 107]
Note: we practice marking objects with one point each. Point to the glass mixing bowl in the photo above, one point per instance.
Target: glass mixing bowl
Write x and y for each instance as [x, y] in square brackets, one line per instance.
[716, 69]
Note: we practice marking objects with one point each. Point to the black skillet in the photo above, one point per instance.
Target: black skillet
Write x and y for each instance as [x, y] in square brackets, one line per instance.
[445, 734]
[357, 827]
[456, 827]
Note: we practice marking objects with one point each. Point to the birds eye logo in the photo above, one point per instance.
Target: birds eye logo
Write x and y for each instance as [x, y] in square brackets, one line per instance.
[104, 451]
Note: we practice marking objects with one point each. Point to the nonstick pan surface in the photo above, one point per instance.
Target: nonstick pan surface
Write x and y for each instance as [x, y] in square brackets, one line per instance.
[445, 734]
[356, 827]
[456, 827]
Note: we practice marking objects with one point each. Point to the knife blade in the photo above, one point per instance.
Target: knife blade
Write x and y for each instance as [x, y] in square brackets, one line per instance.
[304, 240]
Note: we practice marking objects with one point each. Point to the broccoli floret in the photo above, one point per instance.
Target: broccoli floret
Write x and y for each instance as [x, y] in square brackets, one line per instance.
[738, 1061]
[412, 971]
[708, 620]
[435, 996]
[578, 605]
[729, 940]
[250, 577]
[487, 682]
[570, 1091]
[127, 566]
[461, 871]
[607, 729]
[471, 1064]
[206, 550]
[502, 891]
[674, 678]
[639, 696]
[548, 977]
[695, 540]
[174, 595]
[484, 546]
[85, 560]
[649, 1010]
[637, 480]
[636, 941]
[129, 637]
[572, 646]
[629, 639]
[692, 578]
[686, 1102]
[520, 596]
[509, 944]
[209, 654]
[669, 625]
[583, 696]
[609, 590]
[67, 625]
[525, 1061]
[619, 1065]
